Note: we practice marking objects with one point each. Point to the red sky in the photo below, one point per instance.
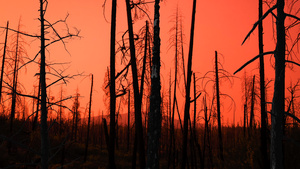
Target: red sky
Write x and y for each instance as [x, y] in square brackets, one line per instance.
[220, 25]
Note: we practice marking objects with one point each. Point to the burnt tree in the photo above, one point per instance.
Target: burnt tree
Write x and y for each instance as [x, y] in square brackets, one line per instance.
[154, 123]
[188, 87]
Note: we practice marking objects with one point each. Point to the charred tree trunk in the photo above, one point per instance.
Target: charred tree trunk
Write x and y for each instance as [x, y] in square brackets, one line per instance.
[263, 129]
[154, 123]
[137, 99]
[144, 64]
[44, 127]
[169, 121]
[188, 87]
[105, 132]
[205, 137]
[3, 60]
[37, 107]
[60, 113]
[245, 118]
[195, 104]
[76, 113]
[111, 148]
[15, 83]
[89, 121]
[218, 108]
[245, 107]
[128, 122]
[252, 105]
[172, 127]
[276, 151]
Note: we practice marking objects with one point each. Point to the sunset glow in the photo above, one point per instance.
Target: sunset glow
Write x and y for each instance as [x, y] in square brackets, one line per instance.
[220, 25]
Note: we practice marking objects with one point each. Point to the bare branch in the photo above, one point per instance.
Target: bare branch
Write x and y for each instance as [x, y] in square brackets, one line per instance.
[259, 21]
[121, 94]
[293, 16]
[196, 98]
[25, 34]
[253, 59]
[293, 116]
[289, 61]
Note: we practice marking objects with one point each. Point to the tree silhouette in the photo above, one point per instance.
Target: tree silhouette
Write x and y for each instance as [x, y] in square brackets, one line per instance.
[263, 113]
[3, 60]
[112, 90]
[137, 99]
[89, 120]
[154, 124]
[44, 126]
[276, 150]
[188, 86]
[218, 108]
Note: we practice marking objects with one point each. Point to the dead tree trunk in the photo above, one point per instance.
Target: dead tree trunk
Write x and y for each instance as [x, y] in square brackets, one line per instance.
[245, 117]
[218, 108]
[154, 122]
[172, 127]
[111, 148]
[252, 105]
[137, 99]
[76, 114]
[263, 129]
[188, 87]
[37, 107]
[3, 60]
[60, 112]
[195, 105]
[128, 122]
[44, 128]
[89, 121]
[276, 152]
[15, 83]
[144, 64]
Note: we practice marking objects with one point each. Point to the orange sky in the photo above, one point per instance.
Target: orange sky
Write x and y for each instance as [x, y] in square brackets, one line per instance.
[220, 25]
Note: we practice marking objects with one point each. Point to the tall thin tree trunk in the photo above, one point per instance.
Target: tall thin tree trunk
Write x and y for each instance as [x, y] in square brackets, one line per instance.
[37, 107]
[263, 129]
[172, 127]
[205, 137]
[169, 121]
[188, 86]
[276, 152]
[195, 105]
[137, 99]
[111, 148]
[252, 105]
[76, 112]
[245, 106]
[15, 83]
[144, 63]
[89, 120]
[3, 60]
[154, 122]
[128, 122]
[44, 127]
[245, 117]
[60, 112]
[218, 108]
